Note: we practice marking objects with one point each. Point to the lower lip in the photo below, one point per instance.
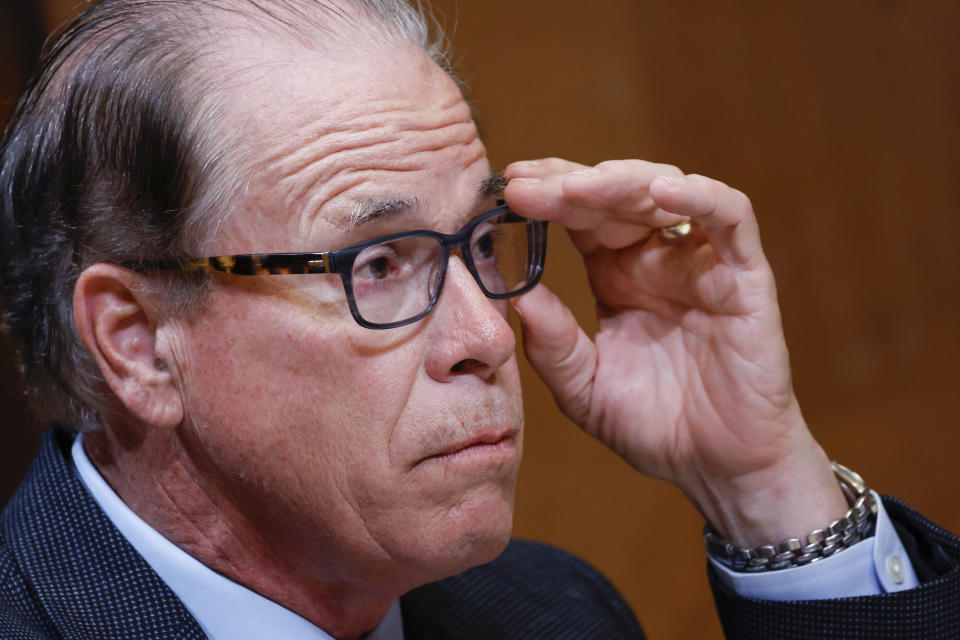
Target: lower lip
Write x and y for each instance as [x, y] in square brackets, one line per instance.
[481, 454]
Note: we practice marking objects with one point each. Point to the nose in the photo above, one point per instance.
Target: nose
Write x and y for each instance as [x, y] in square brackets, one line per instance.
[470, 334]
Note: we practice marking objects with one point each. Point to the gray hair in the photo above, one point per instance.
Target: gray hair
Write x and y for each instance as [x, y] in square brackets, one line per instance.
[112, 155]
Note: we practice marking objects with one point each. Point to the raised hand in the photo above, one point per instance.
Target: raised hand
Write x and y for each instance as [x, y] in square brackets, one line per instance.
[688, 376]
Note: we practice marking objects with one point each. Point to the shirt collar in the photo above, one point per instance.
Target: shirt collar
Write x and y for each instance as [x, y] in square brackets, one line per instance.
[225, 610]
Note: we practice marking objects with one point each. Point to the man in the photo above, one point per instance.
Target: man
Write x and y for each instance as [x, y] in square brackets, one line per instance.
[253, 252]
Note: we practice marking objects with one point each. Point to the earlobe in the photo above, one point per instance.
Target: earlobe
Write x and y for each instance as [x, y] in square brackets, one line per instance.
[118, 323]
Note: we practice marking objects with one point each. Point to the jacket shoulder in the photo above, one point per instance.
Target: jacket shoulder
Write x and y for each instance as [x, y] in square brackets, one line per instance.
[20, 615]
[532, 590]
[65, 569]
[15, 626]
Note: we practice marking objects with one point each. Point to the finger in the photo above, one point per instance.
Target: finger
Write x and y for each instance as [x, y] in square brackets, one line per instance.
[542, 167]
[614, 234]
[560, 352]
[612, 196]
[725, 214]
[623, 187]
[543, 199]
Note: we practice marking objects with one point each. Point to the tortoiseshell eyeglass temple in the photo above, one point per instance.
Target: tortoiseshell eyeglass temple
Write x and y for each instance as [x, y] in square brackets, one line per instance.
[258, 264]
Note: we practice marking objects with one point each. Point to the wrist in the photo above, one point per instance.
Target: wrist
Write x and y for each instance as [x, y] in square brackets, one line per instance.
[788, 499]
[855, 525]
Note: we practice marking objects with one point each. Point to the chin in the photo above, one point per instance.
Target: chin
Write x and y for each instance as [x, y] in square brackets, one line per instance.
[473, 534]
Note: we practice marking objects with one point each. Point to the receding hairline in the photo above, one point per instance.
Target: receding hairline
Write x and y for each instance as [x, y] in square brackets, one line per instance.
[116, 140]
[322, 29]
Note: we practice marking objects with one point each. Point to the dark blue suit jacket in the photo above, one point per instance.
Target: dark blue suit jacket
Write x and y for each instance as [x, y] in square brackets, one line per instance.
[67, 572]
[928, 612]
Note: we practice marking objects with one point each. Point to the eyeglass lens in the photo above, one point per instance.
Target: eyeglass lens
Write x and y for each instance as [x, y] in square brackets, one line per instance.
[399, 279]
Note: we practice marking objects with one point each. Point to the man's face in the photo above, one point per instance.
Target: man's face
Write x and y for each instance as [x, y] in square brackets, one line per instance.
[360, 455]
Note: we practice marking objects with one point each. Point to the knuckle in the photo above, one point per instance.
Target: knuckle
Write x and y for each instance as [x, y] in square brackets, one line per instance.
[669, 170]
[703, 183]
[712, 191]
[613, 165]
[741, 198]
[701, 180]
[557, 164]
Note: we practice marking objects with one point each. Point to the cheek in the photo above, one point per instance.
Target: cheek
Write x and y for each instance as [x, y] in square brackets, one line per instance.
[292, 396]
[304, 420]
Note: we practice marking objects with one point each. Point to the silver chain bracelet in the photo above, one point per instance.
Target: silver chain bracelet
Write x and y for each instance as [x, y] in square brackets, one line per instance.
[855, 525]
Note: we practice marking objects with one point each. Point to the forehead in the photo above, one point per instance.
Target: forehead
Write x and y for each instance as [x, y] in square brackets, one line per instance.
[322, 136]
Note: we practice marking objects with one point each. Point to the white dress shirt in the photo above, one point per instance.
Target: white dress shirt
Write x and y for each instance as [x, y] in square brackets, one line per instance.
[225, 610]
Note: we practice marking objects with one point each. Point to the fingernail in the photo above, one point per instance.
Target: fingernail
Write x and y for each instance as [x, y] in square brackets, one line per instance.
[585, 172]
[526, 180]
[674, 181]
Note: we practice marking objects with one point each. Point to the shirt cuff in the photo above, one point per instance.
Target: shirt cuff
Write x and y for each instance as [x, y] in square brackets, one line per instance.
[873, 566]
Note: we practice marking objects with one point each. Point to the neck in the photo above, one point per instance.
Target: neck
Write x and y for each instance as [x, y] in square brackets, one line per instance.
[153, 474]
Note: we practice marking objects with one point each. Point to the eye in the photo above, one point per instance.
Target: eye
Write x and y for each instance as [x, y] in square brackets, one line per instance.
[379, 267]
[376, 263]
[485, 243]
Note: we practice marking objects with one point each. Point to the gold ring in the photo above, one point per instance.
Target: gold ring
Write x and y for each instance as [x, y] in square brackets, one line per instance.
[677, 231]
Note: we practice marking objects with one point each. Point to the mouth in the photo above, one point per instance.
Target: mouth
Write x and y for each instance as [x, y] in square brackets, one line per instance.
[488, 446]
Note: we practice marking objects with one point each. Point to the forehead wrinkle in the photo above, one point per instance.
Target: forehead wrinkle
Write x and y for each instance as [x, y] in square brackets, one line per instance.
[375, 151]
[368, 141]
[335, 175]
[322, 146]
[339, 215]
[333, 203]
[325, 199]
[390, 122]
[361, 147]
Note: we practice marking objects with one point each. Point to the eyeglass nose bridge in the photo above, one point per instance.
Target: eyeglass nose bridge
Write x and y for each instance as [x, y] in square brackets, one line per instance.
[461, 246]
[449, 248]
[466, 256]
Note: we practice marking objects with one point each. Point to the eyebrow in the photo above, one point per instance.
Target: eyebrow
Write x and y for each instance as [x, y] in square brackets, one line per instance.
[492, 185]
[372, 209]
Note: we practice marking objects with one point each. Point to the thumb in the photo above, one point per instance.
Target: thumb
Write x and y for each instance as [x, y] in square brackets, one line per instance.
[560, 352]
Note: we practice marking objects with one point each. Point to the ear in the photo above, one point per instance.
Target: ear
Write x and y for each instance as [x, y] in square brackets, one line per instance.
[118, 323]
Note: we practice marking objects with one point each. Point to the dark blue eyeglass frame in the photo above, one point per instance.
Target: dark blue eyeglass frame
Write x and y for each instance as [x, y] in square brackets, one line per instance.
[342, 261]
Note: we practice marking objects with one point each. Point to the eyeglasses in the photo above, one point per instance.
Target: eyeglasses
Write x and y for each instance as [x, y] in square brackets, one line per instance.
[396, 279]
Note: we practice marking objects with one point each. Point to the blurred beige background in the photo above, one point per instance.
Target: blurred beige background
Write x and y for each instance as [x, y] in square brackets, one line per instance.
[839, 119]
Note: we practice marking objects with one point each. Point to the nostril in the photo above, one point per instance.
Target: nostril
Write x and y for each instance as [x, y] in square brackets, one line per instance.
[469, 365]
